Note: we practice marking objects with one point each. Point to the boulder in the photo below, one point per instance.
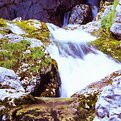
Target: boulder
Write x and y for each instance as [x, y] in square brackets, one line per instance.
[88, 97]
[116, 30]
[116, 26]
[28, 57]
[80, 14]
[108, 106]
[9, 80]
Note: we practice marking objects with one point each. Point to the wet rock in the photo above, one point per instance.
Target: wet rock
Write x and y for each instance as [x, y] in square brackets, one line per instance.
[80, 14]
[108, 106]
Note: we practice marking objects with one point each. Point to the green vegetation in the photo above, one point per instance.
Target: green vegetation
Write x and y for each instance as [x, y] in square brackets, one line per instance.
[41, 32]
[109, 19]
[3, 27]
[106, 42]
[13, 55]
[2, 23]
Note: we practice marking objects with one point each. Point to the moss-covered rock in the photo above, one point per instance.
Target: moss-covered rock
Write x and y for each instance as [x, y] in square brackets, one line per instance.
[105, 41]
[28, 57]
[2, 23]
[108, 44]
[35, 29]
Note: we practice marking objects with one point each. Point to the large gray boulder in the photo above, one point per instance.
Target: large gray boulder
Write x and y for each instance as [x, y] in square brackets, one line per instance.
[80, 14]
[108, 106]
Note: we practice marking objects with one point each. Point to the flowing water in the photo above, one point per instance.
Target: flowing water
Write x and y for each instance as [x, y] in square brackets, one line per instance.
[79, 64]
[66, 18]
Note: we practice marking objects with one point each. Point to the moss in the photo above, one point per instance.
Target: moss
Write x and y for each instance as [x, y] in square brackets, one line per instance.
[2, 23]
[40, 32]
[14, 54]
[52, 109]
[3, 27]
[108, 44]
[86, 107]
[108, 20]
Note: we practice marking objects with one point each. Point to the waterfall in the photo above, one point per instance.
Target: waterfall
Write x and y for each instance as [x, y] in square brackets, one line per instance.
[66, 18]
[79, 63]
[94, 7]
[94, 11]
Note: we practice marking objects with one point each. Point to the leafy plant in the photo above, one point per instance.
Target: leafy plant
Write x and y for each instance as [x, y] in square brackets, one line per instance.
[108, 20]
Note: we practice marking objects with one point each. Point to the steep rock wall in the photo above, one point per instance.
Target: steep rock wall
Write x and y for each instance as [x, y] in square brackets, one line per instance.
[44, 10]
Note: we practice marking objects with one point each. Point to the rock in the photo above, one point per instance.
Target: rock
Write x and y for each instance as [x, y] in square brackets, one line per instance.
[10, 94]
[80, 14]
[17, 38]
[9, 80]
[80, 107]
[91, 27]
[109, 27]
[47, 11]
[15, 29]
[108, 106]
[88, 97]
[118, 14]
[28, 57]
[116, 30]
[116, 26]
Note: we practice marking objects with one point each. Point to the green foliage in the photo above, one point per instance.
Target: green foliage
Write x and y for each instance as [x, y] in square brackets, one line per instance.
[109, 19]
[12, 55]
[106, 42]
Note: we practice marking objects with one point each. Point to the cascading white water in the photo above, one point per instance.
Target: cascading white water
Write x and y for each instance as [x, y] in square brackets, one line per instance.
[66, 18]
[79, 64]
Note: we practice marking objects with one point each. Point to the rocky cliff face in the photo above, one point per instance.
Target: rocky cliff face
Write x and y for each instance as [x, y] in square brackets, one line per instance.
[44, 10]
